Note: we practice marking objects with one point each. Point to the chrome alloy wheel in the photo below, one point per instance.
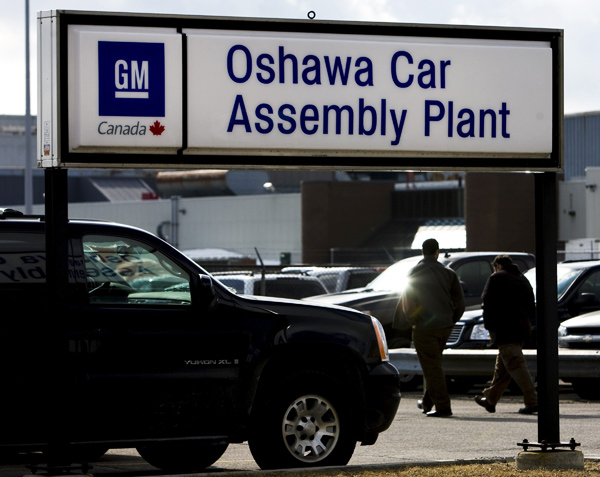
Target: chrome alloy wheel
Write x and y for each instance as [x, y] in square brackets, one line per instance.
[310, 428]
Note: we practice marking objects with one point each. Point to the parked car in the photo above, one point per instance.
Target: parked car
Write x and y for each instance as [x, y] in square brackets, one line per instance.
[582, 333]
[338, 279]
[276, 284]
[179, 369]
[578, 293]
[578, 287]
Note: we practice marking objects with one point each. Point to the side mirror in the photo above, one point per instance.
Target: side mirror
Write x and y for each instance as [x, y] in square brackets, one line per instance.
[586, 299]
[206, 290]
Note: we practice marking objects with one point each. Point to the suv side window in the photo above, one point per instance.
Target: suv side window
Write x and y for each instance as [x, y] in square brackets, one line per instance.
[591, 286]
[125, 271]
[23, 268]
[474, 275]
[522, 264]
[22, 259]
[330, 280]
[360, 279]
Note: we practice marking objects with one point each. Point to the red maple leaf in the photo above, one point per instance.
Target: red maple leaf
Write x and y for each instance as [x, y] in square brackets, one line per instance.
[157, 128]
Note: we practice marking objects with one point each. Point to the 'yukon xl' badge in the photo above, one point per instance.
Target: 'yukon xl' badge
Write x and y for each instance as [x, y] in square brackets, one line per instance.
[211, 362]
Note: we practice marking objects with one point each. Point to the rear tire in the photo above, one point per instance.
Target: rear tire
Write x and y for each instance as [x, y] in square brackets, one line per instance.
[182, 457]
[587, 388]
[460, 384]
[309, 424]
[410, 382]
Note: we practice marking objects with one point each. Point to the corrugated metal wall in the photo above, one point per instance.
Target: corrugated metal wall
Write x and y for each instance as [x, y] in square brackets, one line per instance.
[582, 143]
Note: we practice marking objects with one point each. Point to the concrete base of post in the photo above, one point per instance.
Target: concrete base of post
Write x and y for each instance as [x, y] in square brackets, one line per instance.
[553, 460]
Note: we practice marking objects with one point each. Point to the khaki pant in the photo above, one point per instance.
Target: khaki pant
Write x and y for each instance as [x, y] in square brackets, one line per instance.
[511, 364]
[430, 345]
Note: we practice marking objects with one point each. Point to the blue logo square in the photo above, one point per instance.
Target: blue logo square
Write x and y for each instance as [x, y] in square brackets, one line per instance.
[131, 78]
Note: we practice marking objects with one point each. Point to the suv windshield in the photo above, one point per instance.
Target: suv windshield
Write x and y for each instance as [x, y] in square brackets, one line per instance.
[564, 277]
[394, 278]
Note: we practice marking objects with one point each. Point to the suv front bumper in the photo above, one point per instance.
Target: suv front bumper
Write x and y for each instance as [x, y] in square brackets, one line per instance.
[383, 397]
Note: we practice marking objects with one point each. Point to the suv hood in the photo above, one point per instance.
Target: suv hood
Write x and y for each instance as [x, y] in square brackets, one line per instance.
[289, 306]
[348, 296]
[471, 315]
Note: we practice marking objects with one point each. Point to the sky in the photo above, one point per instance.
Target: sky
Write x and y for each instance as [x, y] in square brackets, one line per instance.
[580, 20]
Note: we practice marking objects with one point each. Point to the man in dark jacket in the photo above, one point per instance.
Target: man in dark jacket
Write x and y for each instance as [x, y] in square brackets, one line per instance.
[432, 302]
[508, 308]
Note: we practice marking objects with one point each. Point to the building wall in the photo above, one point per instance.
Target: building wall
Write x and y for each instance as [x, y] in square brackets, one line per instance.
[572, 210]
[500, 212]
[341, 214]
[499, 216]
[271, 223]
[592, 200]
[582, 143]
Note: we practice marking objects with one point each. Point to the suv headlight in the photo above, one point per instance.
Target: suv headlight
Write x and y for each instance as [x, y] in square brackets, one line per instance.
[562, 330]
[381, 341]
[479, 333]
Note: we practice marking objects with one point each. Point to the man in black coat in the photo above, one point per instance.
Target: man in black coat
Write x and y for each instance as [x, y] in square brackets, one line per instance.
[508, 308]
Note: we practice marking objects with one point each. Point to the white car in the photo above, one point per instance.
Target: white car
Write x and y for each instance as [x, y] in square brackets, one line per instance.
[581, 332]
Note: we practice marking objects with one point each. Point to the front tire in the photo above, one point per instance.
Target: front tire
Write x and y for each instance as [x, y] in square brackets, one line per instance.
[307, 425]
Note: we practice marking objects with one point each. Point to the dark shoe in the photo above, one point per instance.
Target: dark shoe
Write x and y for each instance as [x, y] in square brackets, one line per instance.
[483, 402]
[444, 413]
[528, 410]
[420, 406]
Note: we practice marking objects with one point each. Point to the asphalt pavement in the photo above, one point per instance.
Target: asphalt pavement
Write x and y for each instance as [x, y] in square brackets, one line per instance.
[470, 434]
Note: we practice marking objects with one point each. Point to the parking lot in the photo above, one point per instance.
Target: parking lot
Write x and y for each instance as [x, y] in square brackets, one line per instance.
[470, 434]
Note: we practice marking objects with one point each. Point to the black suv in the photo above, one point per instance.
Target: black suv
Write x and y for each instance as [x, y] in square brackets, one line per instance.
[163, 358]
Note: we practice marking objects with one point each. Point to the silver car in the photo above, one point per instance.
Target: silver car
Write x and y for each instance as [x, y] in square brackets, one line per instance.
[582, 332]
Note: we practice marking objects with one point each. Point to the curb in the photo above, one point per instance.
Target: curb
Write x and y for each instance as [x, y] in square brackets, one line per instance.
[325, 471]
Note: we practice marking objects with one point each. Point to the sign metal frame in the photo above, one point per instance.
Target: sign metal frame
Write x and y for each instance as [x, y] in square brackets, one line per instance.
[53, 121]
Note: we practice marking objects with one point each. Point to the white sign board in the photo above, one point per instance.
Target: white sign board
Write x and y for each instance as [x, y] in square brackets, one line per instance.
[345, 94]
[173, 91]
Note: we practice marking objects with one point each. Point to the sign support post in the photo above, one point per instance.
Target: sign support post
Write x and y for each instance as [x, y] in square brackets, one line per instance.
[547, 322]
[56, 209]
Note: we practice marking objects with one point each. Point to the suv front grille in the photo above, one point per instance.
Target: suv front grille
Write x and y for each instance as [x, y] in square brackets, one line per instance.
[589, 330]
[455, 335]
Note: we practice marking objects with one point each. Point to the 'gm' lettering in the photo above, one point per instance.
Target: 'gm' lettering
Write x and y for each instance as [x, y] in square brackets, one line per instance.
[131, 79]
[138, 86]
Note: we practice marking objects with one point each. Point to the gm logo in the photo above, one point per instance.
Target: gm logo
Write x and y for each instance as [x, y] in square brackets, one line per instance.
[131, 79]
